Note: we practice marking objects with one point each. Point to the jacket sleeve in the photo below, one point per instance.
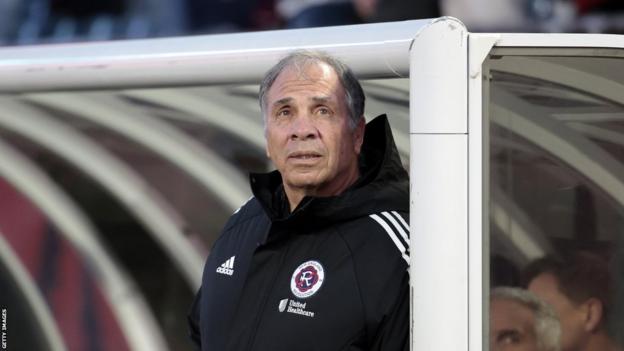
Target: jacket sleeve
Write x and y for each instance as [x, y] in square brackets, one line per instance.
[193, 322]
[393, 331]
[381, 265]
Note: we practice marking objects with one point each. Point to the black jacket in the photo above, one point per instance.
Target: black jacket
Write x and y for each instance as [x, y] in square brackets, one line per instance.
[331, 275]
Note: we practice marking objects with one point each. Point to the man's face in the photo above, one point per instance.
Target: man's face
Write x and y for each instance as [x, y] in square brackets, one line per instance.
[307, 130]
[571, 317]
[512, 326]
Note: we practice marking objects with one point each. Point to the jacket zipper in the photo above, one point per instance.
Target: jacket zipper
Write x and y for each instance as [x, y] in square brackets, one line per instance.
[252, 340]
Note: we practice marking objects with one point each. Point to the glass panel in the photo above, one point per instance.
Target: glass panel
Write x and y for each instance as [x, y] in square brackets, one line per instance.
[556, 185]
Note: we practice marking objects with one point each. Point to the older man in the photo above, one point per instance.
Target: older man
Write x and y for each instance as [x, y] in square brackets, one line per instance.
[519, 321]
[318, 258]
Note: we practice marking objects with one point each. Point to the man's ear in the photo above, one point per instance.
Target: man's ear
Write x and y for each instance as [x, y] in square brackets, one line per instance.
[359, 134]
[594, 312]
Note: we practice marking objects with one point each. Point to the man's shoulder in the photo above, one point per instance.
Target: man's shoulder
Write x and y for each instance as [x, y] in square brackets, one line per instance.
[246, 225]
[249, 211]
[379, 247]
[382, 234]
[378, 224]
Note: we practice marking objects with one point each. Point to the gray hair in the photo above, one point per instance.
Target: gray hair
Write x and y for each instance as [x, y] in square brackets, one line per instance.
[353, 90]
[547, 327]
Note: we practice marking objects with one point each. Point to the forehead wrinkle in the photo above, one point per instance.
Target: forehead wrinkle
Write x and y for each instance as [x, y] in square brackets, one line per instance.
[300, 78]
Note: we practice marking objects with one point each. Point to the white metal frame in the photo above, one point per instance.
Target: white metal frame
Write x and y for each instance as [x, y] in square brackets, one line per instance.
[33, 297]
[241, 126]
[439, 195]
[126, 302]
[206, 166]
[378, 50]
[146, 204]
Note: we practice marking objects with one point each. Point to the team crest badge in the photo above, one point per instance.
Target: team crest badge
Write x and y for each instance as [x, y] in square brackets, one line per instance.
[307, 279]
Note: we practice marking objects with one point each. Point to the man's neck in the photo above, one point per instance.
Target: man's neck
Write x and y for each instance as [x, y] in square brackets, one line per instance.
[294, 198]
[296, 195]
[602, 342]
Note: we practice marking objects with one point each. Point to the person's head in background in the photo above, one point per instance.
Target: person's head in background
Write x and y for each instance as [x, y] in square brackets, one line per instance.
[578, 286]
[519, 321]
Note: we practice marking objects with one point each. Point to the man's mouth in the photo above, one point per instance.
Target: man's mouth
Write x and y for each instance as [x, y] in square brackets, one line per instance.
[304, 155]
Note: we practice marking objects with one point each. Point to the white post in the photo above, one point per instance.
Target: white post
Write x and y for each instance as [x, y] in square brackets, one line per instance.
[439, 187]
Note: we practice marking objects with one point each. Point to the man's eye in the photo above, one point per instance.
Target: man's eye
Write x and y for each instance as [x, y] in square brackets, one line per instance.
[323, 111]
[283, 113]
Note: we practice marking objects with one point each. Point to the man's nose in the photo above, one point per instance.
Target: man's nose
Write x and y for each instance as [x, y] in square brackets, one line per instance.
[303, 128]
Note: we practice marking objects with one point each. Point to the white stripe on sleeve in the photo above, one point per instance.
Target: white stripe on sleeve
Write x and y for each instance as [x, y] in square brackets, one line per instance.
[398, 227]
[398, 216]
[392, 235]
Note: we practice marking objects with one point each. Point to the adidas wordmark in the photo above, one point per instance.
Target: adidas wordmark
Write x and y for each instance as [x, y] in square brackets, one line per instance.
[227, 267]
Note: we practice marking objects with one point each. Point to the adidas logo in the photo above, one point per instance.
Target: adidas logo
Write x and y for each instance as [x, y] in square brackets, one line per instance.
[227, 267]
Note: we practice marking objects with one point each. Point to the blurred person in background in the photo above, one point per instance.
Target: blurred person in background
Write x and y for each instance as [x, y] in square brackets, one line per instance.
[396, 10]
[586, 6]
[484, 15]
[56, 21]
[316, 13]
[597, 16]
[578, 286]
[223, 16]
[319, 13]
[11, 12]
[519, 321]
